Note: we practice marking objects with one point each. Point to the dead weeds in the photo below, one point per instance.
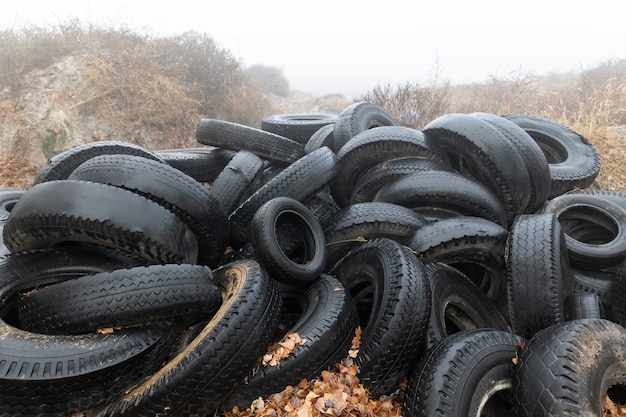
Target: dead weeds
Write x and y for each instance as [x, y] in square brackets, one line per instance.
[17, 172]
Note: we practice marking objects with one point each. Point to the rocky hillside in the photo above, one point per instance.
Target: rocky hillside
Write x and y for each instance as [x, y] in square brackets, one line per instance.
[76, 100]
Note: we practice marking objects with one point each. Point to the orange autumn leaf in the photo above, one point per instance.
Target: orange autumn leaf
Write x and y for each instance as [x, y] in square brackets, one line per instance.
[281, 350]
[335, 393]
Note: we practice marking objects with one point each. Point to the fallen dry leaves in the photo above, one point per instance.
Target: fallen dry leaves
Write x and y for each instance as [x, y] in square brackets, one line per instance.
[335, 393]
[612, 409]
[282, 349]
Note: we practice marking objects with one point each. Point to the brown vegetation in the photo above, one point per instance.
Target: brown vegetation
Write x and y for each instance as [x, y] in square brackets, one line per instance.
[70, 84]
[593, 103]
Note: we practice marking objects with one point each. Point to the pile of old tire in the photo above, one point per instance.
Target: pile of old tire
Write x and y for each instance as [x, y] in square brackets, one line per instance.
[139, 282]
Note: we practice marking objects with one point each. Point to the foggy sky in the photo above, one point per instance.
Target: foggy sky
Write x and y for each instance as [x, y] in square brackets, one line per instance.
[349, 47]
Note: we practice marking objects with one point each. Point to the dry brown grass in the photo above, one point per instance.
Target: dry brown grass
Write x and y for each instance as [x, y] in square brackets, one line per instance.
[154, 90]
[148, 90]
[131, 90]
[413, 104]
[16, 172]
[592, 102]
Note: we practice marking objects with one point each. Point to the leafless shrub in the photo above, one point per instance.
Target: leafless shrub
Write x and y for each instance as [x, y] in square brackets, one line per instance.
[497, 95]
[410, 104]
[269, 77]
[147, 87]
[37, 47]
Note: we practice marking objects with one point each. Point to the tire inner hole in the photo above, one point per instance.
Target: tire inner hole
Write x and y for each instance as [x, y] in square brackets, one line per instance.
[291, 313]
[295, 238]
[498, 404]
[456, 319]
[554, 152]
[588, 225]
[9, 206]
[479, 275]
[617, 394]
[363, 295]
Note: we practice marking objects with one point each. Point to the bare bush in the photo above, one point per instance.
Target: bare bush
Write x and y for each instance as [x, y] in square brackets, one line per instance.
[587, 102]
[410, 104]
[147, 90]
[500, 95]
[269, 77]
[413, 104]
[25, 49]
[591, 102]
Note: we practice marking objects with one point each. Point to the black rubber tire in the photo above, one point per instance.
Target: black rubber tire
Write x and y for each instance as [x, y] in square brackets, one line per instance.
[120, 298]
[466, 241]
[27, 270]
[326, 319]
[601, 284]
[538, 273]
[320, 138]
[322, 205]
[207, 369]
[299, 180]
[357, 118]
[270, 170]
[169, 187]
[572, 159]
[392, 295]
[8, 198]
[56, 212]
[236, 137]
[307, 260]
[613, 196]
[201, 164]
[479, 150]
[457, 304]
[446, 192]
[374, 146]
[267, 173]
[583, 305]
[60, 166]
[297, 126]
[569, 368]
[618, 304]
[28, 384]
[534, 158]
[351, 226]
[76, 372]
[380, 174]
[236, 177]
[468, 374]
[594, 227]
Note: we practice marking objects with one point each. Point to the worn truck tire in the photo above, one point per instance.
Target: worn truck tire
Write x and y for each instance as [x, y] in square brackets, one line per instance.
[392, 294]
[569, 368]
[56, 212]
[204, 370]
[572, 159]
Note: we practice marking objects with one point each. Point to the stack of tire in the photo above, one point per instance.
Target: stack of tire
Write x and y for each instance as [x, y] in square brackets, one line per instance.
[138, 282]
